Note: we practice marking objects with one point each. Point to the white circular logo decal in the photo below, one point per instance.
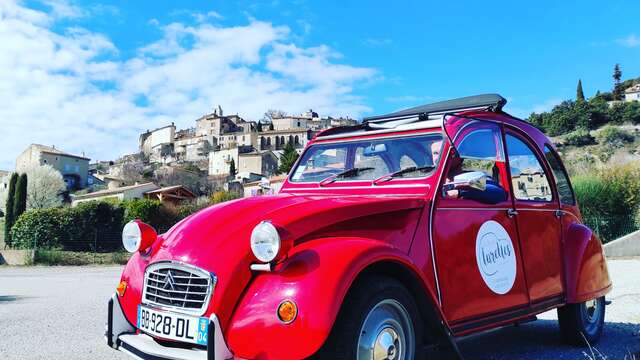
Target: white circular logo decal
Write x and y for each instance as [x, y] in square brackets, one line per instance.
[496, 257]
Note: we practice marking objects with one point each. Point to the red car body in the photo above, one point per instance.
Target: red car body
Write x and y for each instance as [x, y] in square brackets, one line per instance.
[402, 227]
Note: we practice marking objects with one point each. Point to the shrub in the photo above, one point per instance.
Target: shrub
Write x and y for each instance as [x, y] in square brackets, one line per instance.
[146, 210]
[42, 227]
[97, 225]
[579, 137]
[615, 136]
[222, 196]
[92, 226]
[609, 199]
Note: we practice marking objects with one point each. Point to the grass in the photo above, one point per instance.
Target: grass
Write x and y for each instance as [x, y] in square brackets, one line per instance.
[58, 257]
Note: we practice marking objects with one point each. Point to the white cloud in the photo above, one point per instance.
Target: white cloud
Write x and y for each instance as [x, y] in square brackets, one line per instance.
[630, 41]
[64, 9]
[73, 89]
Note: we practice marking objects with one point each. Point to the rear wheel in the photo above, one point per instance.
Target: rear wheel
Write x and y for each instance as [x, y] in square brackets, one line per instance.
[581, 324]
[379, 320]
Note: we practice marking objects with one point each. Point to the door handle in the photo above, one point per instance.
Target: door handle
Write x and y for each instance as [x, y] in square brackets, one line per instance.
[512, 212]
[559, 213]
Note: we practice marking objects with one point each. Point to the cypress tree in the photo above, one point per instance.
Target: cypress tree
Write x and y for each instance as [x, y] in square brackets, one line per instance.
[20, 200]
[232, 167]
[617, 75]
[579, 92]
[8, 216]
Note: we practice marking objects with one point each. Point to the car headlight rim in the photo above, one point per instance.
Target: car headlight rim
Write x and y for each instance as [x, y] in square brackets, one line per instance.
[131, 236]
[138, 236]
[265, 242]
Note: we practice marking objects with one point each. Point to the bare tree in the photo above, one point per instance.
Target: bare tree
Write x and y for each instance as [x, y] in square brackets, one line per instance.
[44, 187]
[273, 114]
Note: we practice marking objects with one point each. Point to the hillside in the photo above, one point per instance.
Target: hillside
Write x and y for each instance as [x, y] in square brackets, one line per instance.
[607, 146]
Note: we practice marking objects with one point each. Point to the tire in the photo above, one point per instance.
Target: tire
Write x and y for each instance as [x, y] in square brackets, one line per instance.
[378, 320]
[581, 324]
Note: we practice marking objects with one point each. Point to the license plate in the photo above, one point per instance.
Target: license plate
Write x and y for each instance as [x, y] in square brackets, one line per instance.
[173, 326]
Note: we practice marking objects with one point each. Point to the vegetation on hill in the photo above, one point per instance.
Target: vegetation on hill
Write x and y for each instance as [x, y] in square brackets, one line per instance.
[603, 108]
[599, 140]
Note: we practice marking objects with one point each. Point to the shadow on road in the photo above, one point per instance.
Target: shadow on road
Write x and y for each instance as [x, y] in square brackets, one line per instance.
[541, 339]
[9, 298]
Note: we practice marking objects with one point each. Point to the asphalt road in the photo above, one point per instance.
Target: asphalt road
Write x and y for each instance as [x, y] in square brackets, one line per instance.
[58, 313]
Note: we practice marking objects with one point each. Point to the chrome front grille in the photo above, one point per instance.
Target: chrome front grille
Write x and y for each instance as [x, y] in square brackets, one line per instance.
[177, 286]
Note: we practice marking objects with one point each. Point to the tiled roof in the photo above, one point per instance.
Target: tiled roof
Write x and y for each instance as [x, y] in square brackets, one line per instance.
[111, 191]
[52, 150]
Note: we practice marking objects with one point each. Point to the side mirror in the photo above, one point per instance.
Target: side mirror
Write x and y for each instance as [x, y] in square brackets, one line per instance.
[470, 180]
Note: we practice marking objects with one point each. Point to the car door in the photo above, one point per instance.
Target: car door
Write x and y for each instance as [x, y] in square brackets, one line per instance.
[537, 218]
[477, 255]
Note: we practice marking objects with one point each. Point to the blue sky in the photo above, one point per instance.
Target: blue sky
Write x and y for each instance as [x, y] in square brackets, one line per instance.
[89, 76]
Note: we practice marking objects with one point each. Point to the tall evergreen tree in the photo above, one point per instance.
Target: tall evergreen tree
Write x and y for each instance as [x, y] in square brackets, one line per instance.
[579, 92]
[9, 219]
[259, 126]
[289, 157]
[617, 75]
[20, 200]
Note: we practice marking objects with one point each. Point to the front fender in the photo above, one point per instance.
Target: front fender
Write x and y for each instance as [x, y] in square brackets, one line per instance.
[587, 276]
[316, 276]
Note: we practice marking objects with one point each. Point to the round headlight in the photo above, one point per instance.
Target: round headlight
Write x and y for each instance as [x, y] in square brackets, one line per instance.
[265, 242]
[137, 236]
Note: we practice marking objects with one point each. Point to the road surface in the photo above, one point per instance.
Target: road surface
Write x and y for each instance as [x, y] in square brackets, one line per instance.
[59, 313]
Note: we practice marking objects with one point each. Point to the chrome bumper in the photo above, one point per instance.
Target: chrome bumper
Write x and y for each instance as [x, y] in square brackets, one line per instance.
[122, 335]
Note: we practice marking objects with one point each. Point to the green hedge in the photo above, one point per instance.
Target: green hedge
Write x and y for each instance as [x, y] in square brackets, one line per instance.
[97, 226]
[91, 226]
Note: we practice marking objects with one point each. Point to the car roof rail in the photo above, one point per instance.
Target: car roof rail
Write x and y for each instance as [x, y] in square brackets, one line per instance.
[489, 102]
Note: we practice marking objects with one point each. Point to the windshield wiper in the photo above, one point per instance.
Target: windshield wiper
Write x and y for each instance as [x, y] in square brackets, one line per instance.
[344, 174]
[401, 172]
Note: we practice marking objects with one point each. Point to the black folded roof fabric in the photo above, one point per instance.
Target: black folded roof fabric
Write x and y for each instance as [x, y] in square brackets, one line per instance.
[493, 101]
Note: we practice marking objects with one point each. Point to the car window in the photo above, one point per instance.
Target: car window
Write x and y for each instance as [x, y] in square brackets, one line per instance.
[322, 163]
[376, 161]
[480, 150]
[562, 180]
[529, 180]
[384, 156]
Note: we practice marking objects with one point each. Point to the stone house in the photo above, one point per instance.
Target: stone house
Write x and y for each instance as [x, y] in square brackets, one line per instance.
[264, 163]
[632, 93]
[277, 139]
[74, 168]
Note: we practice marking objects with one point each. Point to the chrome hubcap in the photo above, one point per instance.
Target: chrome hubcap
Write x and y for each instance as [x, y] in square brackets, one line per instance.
[386, 344]
[387, 333]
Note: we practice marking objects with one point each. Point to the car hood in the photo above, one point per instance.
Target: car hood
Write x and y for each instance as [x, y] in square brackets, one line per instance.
[217, 238]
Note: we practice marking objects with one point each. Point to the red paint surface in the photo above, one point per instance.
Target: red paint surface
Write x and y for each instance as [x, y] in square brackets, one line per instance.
[340, 229]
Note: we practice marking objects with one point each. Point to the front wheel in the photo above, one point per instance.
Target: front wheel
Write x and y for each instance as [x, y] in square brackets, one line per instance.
[379, 320]
[581, 324]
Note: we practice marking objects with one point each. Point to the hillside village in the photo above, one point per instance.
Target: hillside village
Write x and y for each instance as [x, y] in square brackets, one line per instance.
[220, 152]
[225, 152]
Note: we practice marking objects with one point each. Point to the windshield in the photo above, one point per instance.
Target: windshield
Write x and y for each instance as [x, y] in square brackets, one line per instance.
[384, 156]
